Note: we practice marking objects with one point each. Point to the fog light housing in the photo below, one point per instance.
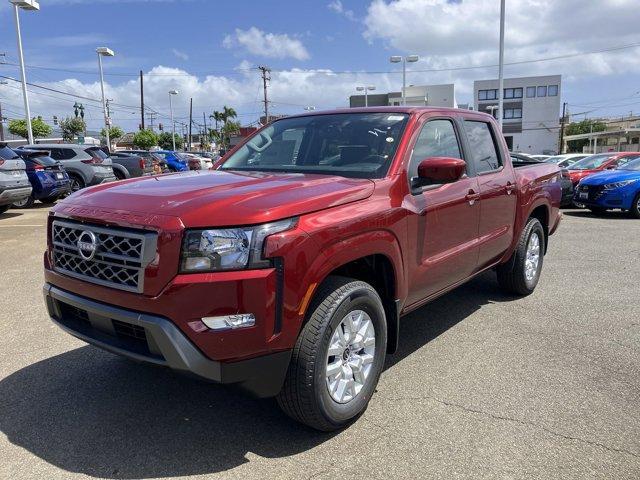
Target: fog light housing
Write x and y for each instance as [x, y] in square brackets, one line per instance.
[230, 322]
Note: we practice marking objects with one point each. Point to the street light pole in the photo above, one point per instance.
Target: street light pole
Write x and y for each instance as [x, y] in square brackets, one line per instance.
[104, 52]
[501, 67]
[404, 60]
[366, 89]
[26, 5]
[173, 124]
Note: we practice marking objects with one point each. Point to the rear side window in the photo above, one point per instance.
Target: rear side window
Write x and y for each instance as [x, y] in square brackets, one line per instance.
[483, 146]
[7, 154]
[97, 152]
[437, 139]
[62, 153]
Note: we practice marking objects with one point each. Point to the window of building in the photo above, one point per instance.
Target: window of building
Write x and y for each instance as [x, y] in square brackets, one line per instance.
[437, 139]
[552, 90]
[542, 91]
[482, 94]
[483, 146]
[517, 92]
[492, 94]
[510, 113]
[531, 92]
[508, 93]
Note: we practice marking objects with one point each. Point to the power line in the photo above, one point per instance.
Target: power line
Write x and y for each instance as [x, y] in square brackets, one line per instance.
[342, 72]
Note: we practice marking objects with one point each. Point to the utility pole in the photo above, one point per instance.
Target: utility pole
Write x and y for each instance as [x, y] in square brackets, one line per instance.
[206, 132]
[142, 100]
[564, 116]
[151, 119]
[190, 122]
[266, 77]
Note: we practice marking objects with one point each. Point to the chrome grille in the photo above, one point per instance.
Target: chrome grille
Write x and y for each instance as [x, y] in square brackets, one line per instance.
[118, 257]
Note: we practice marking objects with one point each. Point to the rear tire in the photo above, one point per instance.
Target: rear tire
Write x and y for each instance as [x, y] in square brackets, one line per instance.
[634, 211]
[26, 203]
[49, 200]
[351, 374]
[77, 183]
[119, 175]
[4, 208]
[520, 274]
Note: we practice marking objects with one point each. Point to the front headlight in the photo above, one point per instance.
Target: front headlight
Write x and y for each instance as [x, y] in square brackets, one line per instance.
[221, 249]
[624, 183]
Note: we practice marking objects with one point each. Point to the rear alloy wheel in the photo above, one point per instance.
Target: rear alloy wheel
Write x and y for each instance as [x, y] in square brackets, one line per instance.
[520, 274]
[634, 211]
[76, 183]
[24, 203]
[338, 357]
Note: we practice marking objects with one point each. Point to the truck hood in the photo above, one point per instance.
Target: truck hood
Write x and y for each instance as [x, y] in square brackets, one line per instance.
[217, 198]
[611, 176]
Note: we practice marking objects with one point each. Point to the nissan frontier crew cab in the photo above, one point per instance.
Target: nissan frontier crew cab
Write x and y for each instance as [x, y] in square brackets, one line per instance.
[287, 269]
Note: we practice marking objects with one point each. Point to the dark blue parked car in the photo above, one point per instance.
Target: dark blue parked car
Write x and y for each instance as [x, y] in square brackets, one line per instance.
[611, 189]
[47, 177]
[174, 161]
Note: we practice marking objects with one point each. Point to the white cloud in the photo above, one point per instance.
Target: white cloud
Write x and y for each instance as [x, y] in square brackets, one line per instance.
[338, 7]
[263, 44]
[465, 33]
[180, 54]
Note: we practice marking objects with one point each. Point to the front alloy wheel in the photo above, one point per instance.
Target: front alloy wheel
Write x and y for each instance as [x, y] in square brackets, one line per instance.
[338, 357]
[350, 356]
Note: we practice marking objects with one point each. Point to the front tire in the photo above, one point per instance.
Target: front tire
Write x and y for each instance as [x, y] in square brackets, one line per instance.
[520, 274]
[26, 203]
[338, 356]
[634, 211]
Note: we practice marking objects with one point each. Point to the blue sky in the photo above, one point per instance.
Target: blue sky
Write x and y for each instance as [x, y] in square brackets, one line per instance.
[319, 50]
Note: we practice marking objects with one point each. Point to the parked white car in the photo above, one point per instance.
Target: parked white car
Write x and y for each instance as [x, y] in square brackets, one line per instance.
[563, 161]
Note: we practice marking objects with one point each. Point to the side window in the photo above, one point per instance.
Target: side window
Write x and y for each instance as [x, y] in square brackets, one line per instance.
[482, 146]
[437, 139]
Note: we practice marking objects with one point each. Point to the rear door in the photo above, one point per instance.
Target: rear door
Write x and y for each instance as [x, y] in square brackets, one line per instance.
[444, 226]
[498, 194]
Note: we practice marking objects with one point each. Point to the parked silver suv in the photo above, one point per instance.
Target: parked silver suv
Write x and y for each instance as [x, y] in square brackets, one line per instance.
[14, 183]
[86, 164]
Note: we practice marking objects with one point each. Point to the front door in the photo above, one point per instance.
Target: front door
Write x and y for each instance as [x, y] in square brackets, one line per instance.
[443, 227]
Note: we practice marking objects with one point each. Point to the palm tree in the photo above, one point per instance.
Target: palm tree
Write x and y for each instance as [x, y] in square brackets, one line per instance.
[228, 113]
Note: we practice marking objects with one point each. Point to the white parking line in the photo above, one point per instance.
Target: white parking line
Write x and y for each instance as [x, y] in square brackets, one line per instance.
[10, 226]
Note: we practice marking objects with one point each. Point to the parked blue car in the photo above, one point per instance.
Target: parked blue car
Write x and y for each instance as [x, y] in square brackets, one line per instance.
[47, 177]
[619, 188]
[175, 162]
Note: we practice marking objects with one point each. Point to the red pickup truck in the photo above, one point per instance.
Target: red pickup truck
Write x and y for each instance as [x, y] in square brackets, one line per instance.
[287, 269]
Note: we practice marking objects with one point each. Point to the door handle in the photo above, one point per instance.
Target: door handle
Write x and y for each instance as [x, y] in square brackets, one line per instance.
[472, 196]
[510, 188]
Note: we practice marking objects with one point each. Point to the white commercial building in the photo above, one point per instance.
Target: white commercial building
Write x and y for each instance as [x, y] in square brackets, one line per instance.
[531, 118]
[416, 96]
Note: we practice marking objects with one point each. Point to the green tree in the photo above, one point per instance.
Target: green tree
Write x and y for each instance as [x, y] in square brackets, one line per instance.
[229, 127]
[38, 127]
[578, 128]
[145, 139]
[71, 127]
[115, 133]
[164, 140]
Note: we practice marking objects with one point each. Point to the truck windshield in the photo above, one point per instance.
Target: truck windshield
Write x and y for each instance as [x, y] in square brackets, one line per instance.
[632, 165]
[358, 145]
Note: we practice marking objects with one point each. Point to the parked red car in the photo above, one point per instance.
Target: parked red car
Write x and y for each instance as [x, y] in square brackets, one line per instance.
[596, 163]
[287, 270]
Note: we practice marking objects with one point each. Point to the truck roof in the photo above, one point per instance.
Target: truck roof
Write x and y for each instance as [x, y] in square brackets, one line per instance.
[390, 109]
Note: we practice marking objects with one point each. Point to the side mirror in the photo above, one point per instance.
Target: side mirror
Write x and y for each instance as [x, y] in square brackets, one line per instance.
[439, 170]
[611, 167]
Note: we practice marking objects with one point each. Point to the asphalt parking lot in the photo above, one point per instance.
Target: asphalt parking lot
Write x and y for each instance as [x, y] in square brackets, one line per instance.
[484, 385]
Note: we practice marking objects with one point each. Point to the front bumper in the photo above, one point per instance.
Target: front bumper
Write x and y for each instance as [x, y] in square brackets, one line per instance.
[610, 199]
[11, 195]
[156, 340]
